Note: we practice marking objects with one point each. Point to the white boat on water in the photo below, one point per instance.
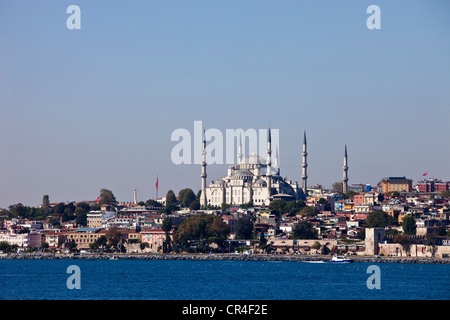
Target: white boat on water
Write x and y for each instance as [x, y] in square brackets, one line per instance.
[340, 259]
[314, 261]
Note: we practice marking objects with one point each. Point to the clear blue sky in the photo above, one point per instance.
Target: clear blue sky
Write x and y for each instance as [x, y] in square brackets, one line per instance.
[82, 110]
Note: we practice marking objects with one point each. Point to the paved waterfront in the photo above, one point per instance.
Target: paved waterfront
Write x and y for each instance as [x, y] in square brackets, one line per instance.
[241, 257]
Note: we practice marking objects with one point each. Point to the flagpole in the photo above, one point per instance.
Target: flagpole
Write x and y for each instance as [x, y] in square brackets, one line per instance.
[156, 187]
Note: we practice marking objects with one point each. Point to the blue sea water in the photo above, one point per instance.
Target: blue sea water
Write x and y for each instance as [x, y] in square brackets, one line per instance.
[219, 280]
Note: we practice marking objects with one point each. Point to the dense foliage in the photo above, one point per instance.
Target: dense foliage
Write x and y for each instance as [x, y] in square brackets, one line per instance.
[199, 229]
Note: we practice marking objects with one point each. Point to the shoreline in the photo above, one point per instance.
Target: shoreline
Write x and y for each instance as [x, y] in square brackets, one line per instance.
[209, 257]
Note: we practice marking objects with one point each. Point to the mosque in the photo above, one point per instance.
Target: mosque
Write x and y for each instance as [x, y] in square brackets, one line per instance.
[256, 180]
[252, 179]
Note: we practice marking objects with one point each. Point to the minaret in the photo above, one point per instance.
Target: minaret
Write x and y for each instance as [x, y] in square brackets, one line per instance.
[138, 224]
[239, 155]
[304, 165]
[203, 202]
[269, 163]
[345, 169]
[277, 165]
[135, 196]
[258, 168]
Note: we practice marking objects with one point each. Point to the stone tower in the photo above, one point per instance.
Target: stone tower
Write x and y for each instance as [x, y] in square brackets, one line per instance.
[203, 201]
[345, 170]
[304, 165]
[374, 236]
[269, 163]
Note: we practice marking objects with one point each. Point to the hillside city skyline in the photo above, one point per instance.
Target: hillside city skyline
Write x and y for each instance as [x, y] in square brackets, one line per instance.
[159, 193]
[95, 107]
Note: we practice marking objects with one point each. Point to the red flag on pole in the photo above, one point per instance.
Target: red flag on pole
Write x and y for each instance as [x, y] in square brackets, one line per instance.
[98, 199]
[156, 185]
[425, 174]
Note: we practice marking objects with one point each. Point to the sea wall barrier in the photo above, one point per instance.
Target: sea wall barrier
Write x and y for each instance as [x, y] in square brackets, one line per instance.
[231, 257]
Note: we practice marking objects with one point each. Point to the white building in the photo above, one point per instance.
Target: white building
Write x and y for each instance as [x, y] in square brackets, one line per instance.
[248, 182]
[22, 240]
[99, 219]
[251, 180]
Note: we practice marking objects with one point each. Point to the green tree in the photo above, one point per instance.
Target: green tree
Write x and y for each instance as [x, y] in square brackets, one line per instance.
[45, 246]
[171, 199]
[72, 246]
[445, 194]
[70, 207]
[441, 231]
[244, 228]
[36, 214]
[8, 248]
[327, 206]
[55, 222]
[186, 197]
[102, 241]
[195, 205]
[95, 206]
[81, 219]
[113, 237]
[361, 235]
[404, 241]
[217, 228]
[59, 208]
[17, 211]
[247, 205]
[349, 194]
[337, 187]
[378, 219]
[167, 227]
[144, 245]
[67, 215]
[262, 239]
[45, 202]
[294, 207]
[171, 203]
[391, 232]
[153, 203]
[309, 211]
[316, 245]
[200, 227]
[278, 207]
[82, 207]
[81, 211]
[409, 225]
[304, 230]
[107, 197]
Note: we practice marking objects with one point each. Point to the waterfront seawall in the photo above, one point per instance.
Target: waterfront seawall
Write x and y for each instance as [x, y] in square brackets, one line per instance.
[231, 257]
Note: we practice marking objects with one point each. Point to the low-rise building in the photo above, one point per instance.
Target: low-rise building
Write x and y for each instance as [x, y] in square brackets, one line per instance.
[339, 205]
[98, 219]
[433, 185]
[392, 184]
[83, 237]
[155, 238]
[231, 222]
[22, 240]
[53, 239]
[364, 208]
